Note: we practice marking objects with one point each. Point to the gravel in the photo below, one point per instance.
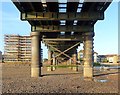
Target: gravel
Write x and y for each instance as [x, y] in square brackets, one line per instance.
[16, 79]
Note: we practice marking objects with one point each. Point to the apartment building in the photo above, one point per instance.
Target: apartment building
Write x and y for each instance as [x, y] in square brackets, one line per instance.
[111, 58]
[95, 55]
[17, 48]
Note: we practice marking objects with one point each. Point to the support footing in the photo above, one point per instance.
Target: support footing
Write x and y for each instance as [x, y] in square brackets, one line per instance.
[88, 72]
[36, 72]
[51, 68]
[75, 68]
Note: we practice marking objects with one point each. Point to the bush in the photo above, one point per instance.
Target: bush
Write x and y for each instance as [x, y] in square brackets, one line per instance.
[62, 66]
[96, 64]
[105, 61]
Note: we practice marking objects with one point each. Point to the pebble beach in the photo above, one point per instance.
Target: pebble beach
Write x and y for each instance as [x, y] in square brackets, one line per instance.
[16, 79]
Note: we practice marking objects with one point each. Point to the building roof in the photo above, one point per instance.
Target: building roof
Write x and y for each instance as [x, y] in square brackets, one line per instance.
[81, 51]
[108, 55]
[17, 35]
[111, 55]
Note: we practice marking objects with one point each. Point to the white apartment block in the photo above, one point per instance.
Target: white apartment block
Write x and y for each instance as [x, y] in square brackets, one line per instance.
[17, 48]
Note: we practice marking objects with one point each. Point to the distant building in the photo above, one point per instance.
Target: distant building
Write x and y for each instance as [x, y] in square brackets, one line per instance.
[3, 58]
[102, 58]
[0, 56]
[80, 56]
[111, 58]
[17, 48]
[96, 57]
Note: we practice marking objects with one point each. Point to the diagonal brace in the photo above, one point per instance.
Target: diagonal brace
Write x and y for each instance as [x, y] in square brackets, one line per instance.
[63, 51]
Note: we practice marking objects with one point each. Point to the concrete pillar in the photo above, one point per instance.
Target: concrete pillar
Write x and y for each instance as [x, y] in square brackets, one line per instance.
[75, 68]
[88, 55]
[70, 61]
[75, 57]
[49, 60]
[36, 54]
[49, 57]
[54, 63]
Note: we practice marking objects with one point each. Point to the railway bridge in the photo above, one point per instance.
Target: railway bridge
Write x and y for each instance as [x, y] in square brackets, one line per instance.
[62, 26]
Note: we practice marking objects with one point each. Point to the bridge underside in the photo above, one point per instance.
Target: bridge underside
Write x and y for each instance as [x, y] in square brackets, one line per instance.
[62, 27]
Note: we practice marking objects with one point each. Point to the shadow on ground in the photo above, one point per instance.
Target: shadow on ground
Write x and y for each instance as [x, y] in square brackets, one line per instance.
[105, 74]
[59, 74]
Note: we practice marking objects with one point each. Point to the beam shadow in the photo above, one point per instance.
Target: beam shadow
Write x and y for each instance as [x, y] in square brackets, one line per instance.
[105, 74]
[60, 74]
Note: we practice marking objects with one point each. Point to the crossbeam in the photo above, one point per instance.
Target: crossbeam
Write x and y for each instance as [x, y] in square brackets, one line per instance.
[58, 51]
[63, 51]
[62, 16]
[62, 47]
[62, 39]
[62, 28]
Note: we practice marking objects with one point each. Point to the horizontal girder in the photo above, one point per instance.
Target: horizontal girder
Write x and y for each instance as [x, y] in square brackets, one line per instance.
[62, 39]
[51, 28]
[62, 16]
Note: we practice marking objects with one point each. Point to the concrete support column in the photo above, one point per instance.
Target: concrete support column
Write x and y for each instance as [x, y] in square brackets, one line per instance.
[36, 55]
[49, 57]
[88, 55]
[70, 61]
[75, 57]
[75, 61]
[54, 60]
[54, 63]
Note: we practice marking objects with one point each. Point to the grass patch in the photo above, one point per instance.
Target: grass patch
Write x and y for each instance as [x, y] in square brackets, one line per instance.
[62, 66]
[96, 64]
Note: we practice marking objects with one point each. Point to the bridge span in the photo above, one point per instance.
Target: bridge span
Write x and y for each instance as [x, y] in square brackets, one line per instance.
[62, 27]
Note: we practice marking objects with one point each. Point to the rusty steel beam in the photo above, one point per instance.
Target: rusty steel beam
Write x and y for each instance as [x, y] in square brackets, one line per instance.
[64, 52]
[62, 39]
[62, 28]
[62, 16]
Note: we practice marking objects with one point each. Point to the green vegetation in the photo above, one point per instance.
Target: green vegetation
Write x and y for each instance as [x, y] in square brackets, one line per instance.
[81, 59]
[45, 60]
[62, 66]
[96, 64]
[105, 61]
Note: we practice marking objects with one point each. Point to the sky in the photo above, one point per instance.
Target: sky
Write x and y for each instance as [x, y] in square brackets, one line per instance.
[106, 31]
[119, 27]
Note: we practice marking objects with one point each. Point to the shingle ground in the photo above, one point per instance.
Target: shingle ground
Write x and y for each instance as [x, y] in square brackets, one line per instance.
[16, 79]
